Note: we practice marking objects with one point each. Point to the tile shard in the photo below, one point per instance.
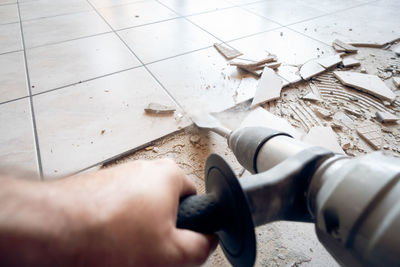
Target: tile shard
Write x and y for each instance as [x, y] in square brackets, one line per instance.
[310, 69]
[269, 87]
[251, 64]
[396, 81]
[324, 137]
[371, 133]
[330, 61]
[350, 62]
[227, 52]
[347, 47]
[384, 117]
[159, 109]
[311, 97]
[371, 84]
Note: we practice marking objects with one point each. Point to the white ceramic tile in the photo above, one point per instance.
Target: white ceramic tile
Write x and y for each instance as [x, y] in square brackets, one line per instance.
[49, 8]
[284, 12]
[120, 17]
[110, 3]
[243, 2]
[17, 145]
[12, 76]
[290, 47]
[4, 2]
[190, 7]
[366, 23]
[10, 38]
[333, 5]
[232, 23]
[71, 121]
[70, 62]
[63, 28]
[9, 14]
[203, 80]
[387, 3]
[177, 36]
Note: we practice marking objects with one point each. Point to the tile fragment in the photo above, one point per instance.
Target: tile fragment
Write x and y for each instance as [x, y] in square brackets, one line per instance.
[227, 52]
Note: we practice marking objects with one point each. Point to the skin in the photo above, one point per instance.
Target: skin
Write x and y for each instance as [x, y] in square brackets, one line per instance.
[121, 216]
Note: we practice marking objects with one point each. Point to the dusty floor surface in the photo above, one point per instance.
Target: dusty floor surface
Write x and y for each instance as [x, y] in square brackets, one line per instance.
[286, 243]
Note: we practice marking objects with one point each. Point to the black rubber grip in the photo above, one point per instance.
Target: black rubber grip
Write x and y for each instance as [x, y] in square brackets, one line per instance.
[200, 213]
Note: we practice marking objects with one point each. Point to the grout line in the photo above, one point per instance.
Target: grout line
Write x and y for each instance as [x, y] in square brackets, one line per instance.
[10, 52]
[133, 53]
[54, 16]
[14, 99]
[39, 160]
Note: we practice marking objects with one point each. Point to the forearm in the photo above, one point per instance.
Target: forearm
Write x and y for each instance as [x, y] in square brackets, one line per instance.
[36, 226]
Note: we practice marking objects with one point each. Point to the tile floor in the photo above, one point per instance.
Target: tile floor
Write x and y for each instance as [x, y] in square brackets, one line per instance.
[75, 75]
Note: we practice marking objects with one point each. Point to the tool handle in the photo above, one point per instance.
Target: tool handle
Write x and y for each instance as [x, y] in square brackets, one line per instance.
[200, 213]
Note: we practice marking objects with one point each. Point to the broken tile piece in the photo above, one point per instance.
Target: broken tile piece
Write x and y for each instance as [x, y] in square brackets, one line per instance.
[155, 108]
[347, 47]
[310, 69]
[273, 65]
[338, 48]
[311, 97]
[259, 117]
[268, 88]
[397, 50]
[384, 117]
[396, 81]
[252, 64]
[323, 137]
[367, 83]
[371, 133]
[322, 113]
[227, 52]
[350, 62]
[329, 61]
[289, 73]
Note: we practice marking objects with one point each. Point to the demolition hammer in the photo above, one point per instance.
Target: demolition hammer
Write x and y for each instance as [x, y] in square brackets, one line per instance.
[354, 202]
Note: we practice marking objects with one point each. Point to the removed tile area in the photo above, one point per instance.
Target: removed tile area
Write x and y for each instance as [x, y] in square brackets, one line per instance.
[311, 97]
[350, 62]
[385, 117]
[323, 137]
[227, 52]
[17, 142]
[269, 87]
[365, 82]
[97, 120]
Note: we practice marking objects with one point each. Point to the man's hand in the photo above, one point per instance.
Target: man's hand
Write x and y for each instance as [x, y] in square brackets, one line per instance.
[122, 216]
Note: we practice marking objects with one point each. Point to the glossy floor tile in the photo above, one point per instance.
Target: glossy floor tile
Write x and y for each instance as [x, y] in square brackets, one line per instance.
[178, 36]
[71, 62]
[120, 17]
[110, 3]
[63, 28]
[364, 24]
[12, 76]
[284, 12]
[88, 123]
[49, 8]
[4, 2]
[9, 14]
[232, 23]
[203, 80]
[290, 47]
[190, 7]
[17, 142]
[333, 5]
[10, 38]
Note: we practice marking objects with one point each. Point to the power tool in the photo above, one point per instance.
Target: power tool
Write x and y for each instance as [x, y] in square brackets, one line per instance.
[353, 202]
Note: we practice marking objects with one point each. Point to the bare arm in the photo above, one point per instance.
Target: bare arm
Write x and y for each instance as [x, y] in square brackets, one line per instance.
[119, 216]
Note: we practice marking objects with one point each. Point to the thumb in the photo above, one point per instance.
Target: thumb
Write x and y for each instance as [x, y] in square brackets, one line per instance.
[194, 248]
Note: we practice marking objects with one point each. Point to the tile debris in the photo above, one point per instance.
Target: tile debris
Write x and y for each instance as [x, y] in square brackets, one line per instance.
[227, 52]
[350, 62]
[324, 137]
[159, 109]
[371, 84]
[344, 47]
[194, 139]
[330, 61]
[396, 81]
[371, 133]
[311, 97]
[269, 87]
[310, 69]
[385, 117]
